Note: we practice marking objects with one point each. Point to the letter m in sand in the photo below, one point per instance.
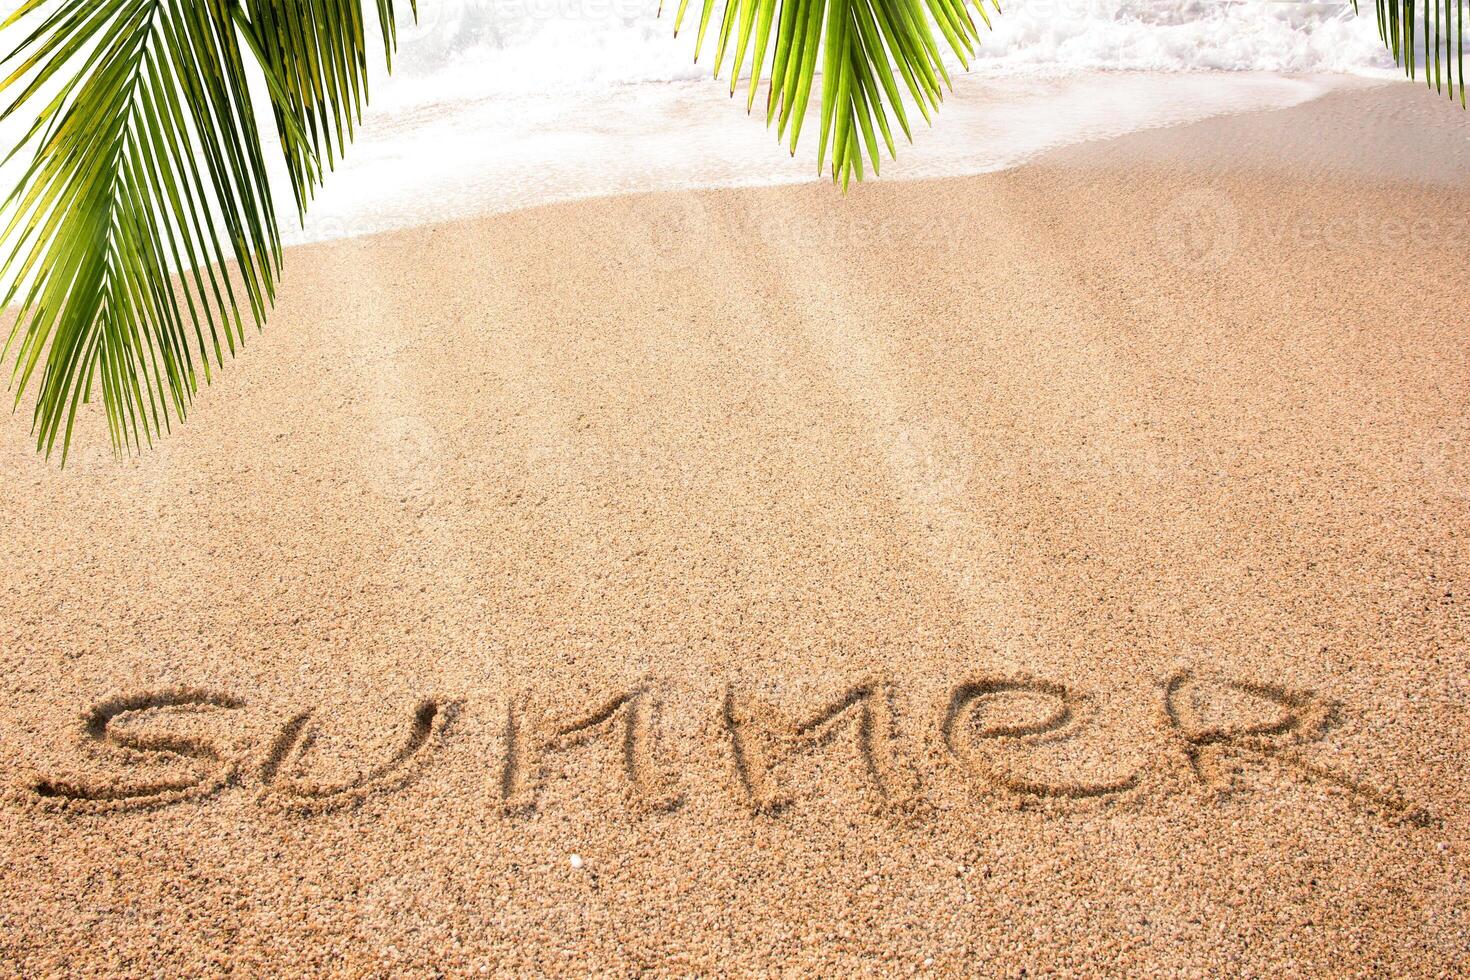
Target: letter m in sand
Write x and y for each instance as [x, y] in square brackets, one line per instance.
[764, 741]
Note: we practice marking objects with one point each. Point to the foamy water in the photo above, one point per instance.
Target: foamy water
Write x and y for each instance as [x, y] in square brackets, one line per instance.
[502, 104]
[467, 48]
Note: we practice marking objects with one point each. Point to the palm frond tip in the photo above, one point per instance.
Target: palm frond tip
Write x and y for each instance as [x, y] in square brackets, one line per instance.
[873, 53]
[1436, 25]
[148, 181]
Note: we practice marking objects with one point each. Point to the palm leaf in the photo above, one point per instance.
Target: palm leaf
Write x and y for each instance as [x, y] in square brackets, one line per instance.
[145, 221]
[1436, 25]
[866, 48]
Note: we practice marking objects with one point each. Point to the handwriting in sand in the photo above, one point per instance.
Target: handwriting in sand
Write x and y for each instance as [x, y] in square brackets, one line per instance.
[974, 732]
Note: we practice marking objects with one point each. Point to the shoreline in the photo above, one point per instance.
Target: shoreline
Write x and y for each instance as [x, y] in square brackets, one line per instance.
[686, 136]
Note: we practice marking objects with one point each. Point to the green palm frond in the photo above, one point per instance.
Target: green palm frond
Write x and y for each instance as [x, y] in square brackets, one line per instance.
[872, 52]
[1437, 25]
[145, 221]
[866, 48]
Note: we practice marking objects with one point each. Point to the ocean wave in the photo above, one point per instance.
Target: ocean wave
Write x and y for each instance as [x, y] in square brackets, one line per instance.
[497, 105]
[477, 48]
[1186, 35]
[502, 104]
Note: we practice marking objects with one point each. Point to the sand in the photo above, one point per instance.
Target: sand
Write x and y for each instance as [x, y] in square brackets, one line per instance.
[1061, 569]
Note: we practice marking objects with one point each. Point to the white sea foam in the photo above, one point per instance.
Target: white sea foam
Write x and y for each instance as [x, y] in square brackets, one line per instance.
[497, 155]
[501, 104]
[1185, 35]
[479, 47]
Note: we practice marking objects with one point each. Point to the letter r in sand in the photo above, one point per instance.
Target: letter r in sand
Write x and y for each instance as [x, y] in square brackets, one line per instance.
[1225, 725]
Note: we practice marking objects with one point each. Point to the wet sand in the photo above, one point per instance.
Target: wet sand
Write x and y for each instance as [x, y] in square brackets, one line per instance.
[1057, 569]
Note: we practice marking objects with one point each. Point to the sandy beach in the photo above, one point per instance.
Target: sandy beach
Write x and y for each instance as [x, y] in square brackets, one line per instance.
[1061, 569]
